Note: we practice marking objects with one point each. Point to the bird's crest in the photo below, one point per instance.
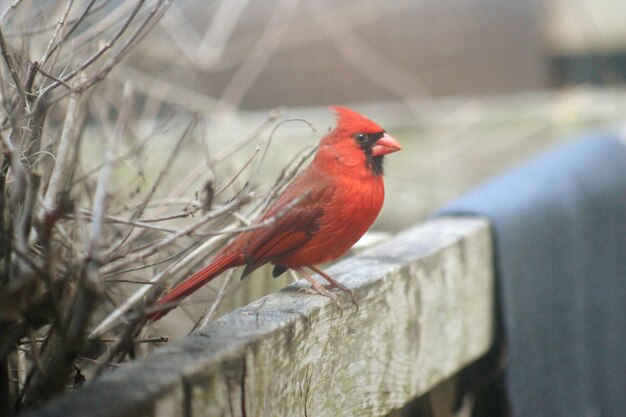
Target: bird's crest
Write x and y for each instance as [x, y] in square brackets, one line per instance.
[350, 120]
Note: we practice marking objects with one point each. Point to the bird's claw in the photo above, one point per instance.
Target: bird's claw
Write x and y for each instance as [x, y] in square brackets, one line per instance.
[321, 290]
[317, 288]
[344, 289]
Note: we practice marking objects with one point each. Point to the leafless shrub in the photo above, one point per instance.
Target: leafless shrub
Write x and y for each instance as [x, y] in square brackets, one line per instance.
[89, 233]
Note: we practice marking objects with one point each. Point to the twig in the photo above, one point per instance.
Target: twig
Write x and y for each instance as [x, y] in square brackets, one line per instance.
[55, 34]
[218, 300]
[152, 18]
[260, 225]
[188, 211]
[99, 203]
[9, 10]
[52, 77]
[225, 154]
[63, 159]
[130, 235]
[130, 222]
[183, 232]
[158, 339]
[164, 202]
[77, 21]
[239, 172]
[108, 45]
[12, 69]
[283, 179]
[269, 140]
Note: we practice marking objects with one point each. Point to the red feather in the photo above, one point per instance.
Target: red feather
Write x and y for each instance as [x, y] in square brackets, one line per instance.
[338, 197]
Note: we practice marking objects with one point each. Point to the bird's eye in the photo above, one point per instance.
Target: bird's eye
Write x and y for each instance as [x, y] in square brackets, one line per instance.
[360, 137]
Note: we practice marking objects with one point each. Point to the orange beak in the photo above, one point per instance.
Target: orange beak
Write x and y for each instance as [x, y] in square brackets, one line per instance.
[385, 145]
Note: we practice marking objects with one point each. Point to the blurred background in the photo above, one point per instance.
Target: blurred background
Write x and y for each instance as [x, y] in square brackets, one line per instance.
[257, 54]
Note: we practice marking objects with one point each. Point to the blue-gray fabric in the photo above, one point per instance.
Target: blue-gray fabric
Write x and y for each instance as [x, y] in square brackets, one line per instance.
[559, 225]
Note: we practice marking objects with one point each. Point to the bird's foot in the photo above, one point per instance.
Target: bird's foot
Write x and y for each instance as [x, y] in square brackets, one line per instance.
[336, 284]
[343, 289]
[321, 290]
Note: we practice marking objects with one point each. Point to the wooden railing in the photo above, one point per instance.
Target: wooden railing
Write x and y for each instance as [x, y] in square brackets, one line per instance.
[425, 312]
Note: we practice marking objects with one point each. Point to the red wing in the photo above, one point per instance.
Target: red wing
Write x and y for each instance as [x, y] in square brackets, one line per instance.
[280, 244]
[290, 230]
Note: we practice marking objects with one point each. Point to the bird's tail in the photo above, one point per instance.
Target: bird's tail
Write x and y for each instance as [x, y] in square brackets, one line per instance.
[171, 300]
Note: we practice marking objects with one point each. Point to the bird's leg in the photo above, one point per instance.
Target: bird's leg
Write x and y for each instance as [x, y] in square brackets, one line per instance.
[335, 284]
[317, 287]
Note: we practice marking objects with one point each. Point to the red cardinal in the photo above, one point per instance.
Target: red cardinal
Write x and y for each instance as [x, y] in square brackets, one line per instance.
[340, 195]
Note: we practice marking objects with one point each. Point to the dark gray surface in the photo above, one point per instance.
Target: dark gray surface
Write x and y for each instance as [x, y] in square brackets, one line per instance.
[559, 223]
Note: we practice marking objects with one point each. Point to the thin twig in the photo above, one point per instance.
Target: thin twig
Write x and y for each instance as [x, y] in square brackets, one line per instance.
[55, 34]
[183, 232]
[193, 175]
[269, 140]
[8, 11]
[153, 17]
[283, 179]
[158, 339]
[108, 45]
[239, 172]
[52, 77]
[6, 54]
[63, 157]
[130, 235]
[120, 220]
[208, 317]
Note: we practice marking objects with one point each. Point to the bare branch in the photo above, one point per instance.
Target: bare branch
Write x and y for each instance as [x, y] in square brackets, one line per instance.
[8, 60]
[60, 25]
[8, 11]
[130, 234]
[221, 293]
[234, 204]
[52, 77]
[239, 171]
[119, 220]
[63, 159]
[153, 17]
[108, 45]
[269, 140]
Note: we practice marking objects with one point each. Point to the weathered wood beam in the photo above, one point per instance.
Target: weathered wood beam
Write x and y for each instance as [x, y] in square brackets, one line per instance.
[425, 312]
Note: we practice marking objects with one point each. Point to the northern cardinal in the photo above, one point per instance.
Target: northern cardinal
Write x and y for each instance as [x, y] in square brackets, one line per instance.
[340, 195]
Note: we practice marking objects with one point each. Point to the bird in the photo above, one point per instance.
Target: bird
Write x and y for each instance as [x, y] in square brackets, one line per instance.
[317, 218]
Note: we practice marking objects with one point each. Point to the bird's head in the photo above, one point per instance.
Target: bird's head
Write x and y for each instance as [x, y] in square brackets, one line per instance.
[358, 140]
